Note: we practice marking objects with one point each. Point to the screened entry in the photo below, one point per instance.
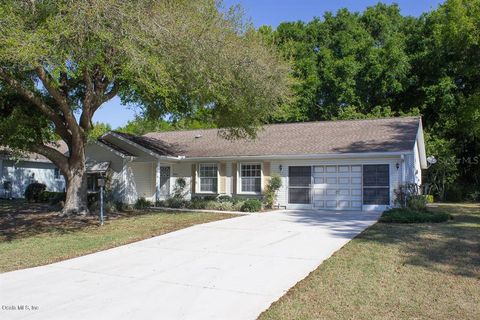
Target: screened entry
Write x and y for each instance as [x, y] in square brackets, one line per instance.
[299, 183]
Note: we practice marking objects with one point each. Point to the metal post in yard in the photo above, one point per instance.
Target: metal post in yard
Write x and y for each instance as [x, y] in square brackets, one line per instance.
[101, 184]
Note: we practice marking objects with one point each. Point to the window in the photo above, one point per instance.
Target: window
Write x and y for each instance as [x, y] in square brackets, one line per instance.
[207, 174]
[56, 173]
[376, 184]
[251, 178]
[92, 183]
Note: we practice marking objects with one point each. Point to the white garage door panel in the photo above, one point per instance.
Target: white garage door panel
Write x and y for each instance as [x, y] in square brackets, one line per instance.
[337, 187]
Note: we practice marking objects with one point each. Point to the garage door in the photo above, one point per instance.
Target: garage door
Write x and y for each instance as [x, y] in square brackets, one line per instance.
[337, 187]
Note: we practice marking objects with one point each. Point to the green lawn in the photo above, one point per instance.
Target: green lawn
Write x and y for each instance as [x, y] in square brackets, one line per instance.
[31, 236]
[392, 271]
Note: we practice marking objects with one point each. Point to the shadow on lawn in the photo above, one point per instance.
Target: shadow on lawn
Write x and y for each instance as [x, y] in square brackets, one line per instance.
[19, 219]
[452, 247]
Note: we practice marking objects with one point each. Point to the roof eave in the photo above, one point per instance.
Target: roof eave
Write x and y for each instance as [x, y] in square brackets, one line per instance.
[121, 155]
[142, 148]
[421, 146]
[307, 156]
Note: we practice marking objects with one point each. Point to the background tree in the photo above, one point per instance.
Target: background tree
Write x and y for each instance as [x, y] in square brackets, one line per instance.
[98, 129]
[59, 58]
[379, 63]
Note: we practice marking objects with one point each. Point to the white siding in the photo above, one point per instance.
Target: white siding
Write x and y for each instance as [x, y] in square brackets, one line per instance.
[140, 181]
[282, 197]
[22, 173]
[418, 169]
[97, 153]
[182, 170]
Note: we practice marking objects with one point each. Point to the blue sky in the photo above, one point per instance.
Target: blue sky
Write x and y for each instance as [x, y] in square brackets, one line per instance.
[273, 12]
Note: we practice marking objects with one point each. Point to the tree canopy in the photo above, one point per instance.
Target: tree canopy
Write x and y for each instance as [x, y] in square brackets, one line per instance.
[379, 63]
[60, 60]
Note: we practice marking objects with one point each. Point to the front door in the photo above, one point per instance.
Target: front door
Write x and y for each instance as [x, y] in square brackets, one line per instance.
[299, 183]
[164, 182]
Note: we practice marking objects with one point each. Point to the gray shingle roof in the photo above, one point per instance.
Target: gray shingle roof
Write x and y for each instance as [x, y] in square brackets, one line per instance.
[324, 137]
[116, 148]
[6, 152]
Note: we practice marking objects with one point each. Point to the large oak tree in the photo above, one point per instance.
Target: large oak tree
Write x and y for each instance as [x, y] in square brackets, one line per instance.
[60, 60]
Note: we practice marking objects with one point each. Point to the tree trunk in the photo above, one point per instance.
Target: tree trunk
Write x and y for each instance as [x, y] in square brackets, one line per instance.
[76, 179]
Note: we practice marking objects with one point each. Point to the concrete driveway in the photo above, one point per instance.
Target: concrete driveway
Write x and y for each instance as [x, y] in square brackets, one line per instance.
[230, 269]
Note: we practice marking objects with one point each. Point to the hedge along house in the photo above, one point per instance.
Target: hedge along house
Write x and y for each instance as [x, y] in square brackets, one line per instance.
[332, 165]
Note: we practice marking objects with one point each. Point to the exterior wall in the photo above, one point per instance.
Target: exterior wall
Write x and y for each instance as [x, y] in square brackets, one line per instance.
[228, 177]
[118, 168]
[140, 176]
[182, 170]
[282, 195]
[22, 173]
[418, 168]
[140, 181]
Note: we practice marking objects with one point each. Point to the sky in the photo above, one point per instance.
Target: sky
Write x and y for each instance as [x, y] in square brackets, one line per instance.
[273, 12]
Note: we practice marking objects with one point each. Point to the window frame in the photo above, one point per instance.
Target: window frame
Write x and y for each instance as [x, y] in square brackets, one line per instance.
[95, 177]
[57, 175]
[239, 178]
[387, 186]
[198, 187]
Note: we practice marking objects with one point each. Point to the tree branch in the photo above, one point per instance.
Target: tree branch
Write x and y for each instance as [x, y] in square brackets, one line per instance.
[59, 97]
[88, 101]
[58, 158]
[39, 103]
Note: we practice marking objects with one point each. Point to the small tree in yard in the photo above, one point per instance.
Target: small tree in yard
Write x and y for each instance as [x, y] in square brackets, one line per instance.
[60, 60]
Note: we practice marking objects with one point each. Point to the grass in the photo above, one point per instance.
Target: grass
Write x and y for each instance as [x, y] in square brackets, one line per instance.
[403, 215]
[31, 236]
[396, 271]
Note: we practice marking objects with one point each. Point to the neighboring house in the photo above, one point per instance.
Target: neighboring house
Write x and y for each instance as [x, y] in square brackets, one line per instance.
[22, 170]
[334, 165]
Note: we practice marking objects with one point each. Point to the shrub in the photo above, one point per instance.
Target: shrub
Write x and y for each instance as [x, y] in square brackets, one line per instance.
[417, 203]
[473, 196]
[53, 198]
[237, 200]
[160, 203]
[197, 203]
[404, 192]
[429, 198]
[120, 206]
[33, 192]
[176, 203]
[251, 205]
[402, 215]
[224, 198]
[179, 189]
[274, 184]
[143, 203]
[111, 206]
[92, 198]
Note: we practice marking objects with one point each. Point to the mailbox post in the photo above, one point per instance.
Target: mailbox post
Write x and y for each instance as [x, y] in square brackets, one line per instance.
[101, 184]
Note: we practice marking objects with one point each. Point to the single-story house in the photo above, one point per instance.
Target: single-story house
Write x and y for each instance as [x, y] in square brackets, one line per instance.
[21, 170]
[332, 165]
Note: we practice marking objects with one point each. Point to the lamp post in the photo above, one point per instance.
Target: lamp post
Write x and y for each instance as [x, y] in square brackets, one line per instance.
[101, 184]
